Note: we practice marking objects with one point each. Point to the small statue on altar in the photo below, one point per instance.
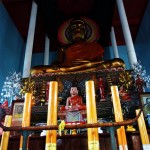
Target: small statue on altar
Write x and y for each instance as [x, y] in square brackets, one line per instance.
[101, 85]
[123, 94]
[74, 102]
[74, 107]
[139, 84]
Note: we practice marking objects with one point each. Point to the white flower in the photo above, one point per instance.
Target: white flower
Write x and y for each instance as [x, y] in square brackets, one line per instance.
[11, 85]
[139, 70]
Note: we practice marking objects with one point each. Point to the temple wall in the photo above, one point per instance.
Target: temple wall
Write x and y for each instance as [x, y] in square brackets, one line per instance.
[108, 54]
[142, 43]
[38, 58]
[11, 46]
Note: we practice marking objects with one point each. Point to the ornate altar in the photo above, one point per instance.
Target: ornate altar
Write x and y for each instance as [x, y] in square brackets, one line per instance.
[81, 60]
[115, 76]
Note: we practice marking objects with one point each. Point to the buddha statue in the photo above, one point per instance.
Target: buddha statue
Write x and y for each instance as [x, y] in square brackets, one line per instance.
[74, 101]
[74, 107]
[80, 50]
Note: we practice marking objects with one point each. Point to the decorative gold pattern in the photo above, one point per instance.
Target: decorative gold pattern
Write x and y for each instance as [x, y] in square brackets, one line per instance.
[126, 79]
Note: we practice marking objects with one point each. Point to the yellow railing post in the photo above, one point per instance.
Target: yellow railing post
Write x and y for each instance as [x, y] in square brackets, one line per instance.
[6, 134]
[93, 137]
[143, 131]
[26, 116]
[51, 135]
[122, 141]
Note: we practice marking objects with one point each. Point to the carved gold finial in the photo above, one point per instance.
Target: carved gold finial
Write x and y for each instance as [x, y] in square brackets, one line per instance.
[28, 86]
[126, 79]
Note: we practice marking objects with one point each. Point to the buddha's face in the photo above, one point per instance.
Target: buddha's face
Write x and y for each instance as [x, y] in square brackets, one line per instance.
[77, 30]
[100, 79]
[73, 91]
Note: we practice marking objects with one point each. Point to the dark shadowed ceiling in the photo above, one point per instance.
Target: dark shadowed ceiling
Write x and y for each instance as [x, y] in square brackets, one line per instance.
[52, 13]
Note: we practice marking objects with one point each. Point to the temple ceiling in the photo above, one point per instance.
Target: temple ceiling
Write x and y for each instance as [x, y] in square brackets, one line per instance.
[52, 13]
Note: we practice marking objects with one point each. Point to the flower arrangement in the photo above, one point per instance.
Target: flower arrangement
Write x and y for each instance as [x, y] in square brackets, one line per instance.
[139, 70]
[11, 87]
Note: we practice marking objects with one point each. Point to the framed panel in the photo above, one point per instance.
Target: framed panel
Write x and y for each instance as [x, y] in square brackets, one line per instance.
[17, 112]
[145, 101]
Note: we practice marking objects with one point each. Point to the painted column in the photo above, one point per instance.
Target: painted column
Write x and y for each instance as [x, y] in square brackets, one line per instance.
[29, 44]
[93, 137]
[121, 134]
[143, 131]
[114, 43]
[6, 134]
[51, 135]
[26, 119]
[46, 51]
[127, 35]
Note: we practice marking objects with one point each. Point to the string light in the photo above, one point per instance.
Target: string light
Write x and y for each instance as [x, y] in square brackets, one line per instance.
[138, 69]
[11, 87]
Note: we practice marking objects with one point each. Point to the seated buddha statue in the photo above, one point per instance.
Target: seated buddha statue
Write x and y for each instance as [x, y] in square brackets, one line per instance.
[74, 107]
[74, 101]
[80, 51]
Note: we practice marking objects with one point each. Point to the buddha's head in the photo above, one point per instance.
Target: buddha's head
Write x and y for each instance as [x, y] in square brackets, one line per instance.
[77, 30]
[73, 91]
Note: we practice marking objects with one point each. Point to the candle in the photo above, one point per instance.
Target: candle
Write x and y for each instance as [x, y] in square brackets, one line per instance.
[26, 114]
[143, 131]
[122, 141]
[5, 134]
[93, 138]
[51, 135]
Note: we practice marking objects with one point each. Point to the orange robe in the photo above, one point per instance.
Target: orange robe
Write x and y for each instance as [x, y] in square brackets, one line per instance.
[75, 100]
[84, 51]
